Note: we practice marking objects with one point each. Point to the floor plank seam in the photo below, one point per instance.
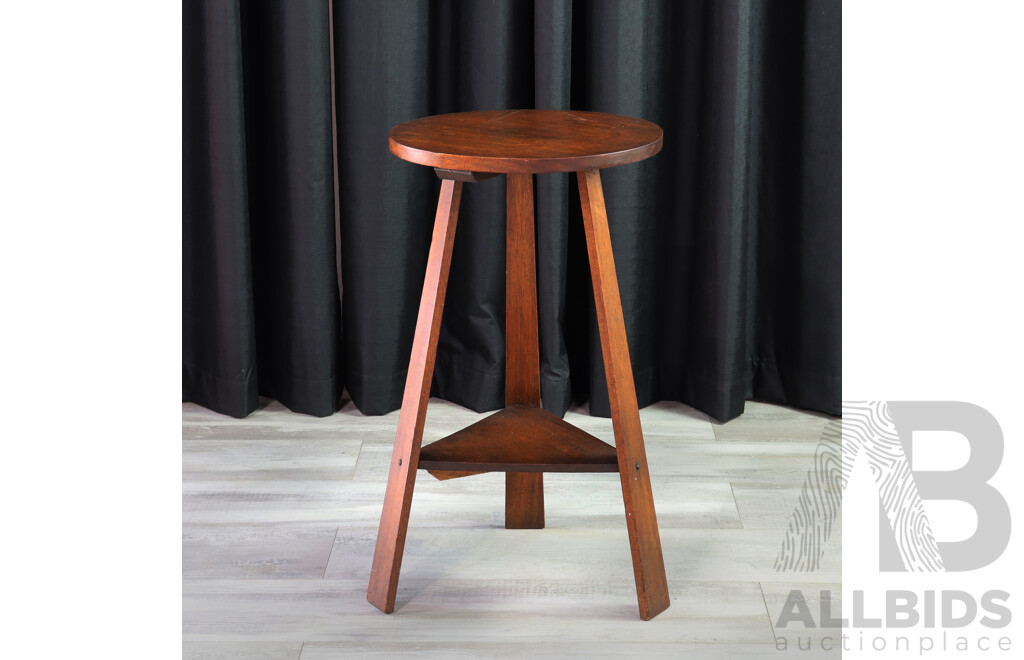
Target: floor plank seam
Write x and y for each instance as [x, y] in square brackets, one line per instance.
[736, 504]
[359, 454]
[330, 554]
[771, 623]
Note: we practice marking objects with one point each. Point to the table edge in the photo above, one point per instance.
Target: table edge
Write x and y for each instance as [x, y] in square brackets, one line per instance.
[504, 164]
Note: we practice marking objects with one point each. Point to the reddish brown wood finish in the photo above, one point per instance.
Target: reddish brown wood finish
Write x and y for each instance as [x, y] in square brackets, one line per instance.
[525, 141]
[465, 177]
[641, 520]
[444, 475]
[522, 342]
[523, 440]
[394, 520]
[520, 439]
[524, 493]
[524, 500]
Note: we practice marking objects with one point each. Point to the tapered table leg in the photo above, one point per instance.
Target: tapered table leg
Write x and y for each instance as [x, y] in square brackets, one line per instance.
[524, 491]
[641, 521]
[394, 520]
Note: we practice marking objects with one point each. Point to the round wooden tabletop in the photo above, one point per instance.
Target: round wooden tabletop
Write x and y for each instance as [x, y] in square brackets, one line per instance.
[525, 141]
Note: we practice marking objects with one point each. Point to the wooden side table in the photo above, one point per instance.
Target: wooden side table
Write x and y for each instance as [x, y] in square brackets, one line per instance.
[522, 440]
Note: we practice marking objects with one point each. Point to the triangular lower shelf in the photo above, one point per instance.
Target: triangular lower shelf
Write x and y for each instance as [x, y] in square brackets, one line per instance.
[518, 439]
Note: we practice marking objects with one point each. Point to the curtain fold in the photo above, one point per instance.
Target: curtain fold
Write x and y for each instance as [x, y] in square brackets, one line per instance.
[289, 159]
[218, 333]
[727, 243]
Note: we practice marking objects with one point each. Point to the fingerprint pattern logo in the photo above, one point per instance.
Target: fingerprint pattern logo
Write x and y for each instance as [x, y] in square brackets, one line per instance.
[819, 507]
[866, 427]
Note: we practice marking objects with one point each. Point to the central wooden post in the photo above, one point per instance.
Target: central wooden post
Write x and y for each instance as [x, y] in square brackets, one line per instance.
[524, 491]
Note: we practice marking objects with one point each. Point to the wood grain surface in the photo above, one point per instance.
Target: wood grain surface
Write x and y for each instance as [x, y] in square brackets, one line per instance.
[394, 521]
[641, 520]
[520, 439]
[524, 492]
[523, 440]
[526, 141]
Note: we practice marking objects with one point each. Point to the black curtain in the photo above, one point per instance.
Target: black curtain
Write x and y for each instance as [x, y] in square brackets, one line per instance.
[727, 243]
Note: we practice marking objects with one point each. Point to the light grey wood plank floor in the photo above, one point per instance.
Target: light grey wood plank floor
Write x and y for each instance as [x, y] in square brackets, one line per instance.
[280, 516]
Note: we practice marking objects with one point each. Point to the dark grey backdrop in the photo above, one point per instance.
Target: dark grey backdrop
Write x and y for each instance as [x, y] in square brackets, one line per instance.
[727, 243]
